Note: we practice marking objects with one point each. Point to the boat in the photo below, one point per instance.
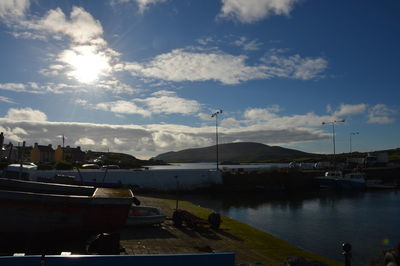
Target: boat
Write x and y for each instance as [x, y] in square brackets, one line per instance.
[336, 180]
[329, 179]
[145, 215]
[353, 180]
[379, 184]
[34, 207]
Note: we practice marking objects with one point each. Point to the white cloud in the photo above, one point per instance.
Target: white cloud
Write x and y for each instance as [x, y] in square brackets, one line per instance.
[173, 139]
[13, 10]
[80, 26]
[381, 114]
[150, 140]
[350, 109]
[295, 66]
[249, 11]
[161, 102]
[81, 102]
[247, 45]
[26, 114]
[85, 142]
[206, 40]
[6, 99]
[142, 4]
[30, 87]
[116, 87]
[104, 142]
[181, 65]
[205, 117]
[111, 85]
[118, 141]
[262, 113]
[230, 122]
[121, 107]
[166, 102]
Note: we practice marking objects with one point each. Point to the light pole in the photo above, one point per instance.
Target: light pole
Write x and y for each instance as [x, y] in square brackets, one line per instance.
[333, 133]
[216, 133]
[351, 134]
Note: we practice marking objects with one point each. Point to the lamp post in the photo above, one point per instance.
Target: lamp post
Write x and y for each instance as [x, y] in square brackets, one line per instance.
[216, 133]
[333, 133]
[352, 134]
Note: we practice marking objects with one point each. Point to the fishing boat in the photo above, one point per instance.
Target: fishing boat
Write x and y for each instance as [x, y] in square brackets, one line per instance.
[379, 184]
[145, 215]
[329, 179]
[353, 180]
[338, 180]
[33, 207]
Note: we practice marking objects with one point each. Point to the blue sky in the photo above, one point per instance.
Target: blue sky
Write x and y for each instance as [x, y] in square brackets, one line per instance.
[144, 76]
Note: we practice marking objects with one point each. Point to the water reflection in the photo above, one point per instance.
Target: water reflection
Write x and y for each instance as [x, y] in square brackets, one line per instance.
[322, 221]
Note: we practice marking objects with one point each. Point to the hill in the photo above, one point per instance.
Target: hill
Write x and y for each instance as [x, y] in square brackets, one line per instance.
[234, 152]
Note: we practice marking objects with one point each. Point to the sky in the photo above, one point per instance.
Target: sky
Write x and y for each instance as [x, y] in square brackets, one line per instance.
[144, 76]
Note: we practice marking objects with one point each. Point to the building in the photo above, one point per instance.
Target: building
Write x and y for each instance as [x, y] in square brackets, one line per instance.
[42, 153]
[69, 154]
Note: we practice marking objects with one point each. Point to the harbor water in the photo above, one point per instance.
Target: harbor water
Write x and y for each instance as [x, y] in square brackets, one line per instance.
[224, 166]
[321, 222]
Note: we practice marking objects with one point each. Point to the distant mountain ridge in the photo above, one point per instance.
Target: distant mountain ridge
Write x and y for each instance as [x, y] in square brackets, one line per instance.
[233, 152]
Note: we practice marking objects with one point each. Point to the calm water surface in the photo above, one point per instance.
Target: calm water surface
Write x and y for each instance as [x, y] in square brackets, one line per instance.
[213, 166]
[321, 222]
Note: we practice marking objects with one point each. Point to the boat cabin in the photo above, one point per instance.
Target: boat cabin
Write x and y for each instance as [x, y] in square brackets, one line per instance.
[333, 174]
[20, 171]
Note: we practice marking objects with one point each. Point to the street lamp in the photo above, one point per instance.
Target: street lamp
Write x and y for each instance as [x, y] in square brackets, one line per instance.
[333, 133]
[216, 133]
[352, 134]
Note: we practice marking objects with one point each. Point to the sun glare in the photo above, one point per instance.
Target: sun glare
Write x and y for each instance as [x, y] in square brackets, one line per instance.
[86, 65]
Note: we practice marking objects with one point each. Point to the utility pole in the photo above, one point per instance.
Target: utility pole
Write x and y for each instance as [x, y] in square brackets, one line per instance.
[216, 133]
[333, 133]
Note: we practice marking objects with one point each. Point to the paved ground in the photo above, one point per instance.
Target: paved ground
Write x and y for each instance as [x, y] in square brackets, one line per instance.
[168, 239]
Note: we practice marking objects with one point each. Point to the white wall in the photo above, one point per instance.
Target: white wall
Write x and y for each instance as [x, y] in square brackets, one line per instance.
[150, 179]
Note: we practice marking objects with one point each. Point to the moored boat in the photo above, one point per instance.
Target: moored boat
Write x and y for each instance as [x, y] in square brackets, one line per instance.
[353, 180]
[32, 207]
[336, 180]
[329, 179]
[144, 215]
[379, 184]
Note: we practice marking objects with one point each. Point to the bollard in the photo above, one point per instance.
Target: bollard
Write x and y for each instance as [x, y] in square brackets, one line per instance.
[346, 247]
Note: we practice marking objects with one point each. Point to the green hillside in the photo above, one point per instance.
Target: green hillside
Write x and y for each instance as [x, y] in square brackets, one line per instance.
[234, 152]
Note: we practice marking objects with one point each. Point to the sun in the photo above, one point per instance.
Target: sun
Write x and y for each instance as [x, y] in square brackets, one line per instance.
[86, 64]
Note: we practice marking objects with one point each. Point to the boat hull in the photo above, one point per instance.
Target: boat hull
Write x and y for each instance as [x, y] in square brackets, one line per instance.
[350, 184]
[324, 182]
[50, 211]
[144, 215]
